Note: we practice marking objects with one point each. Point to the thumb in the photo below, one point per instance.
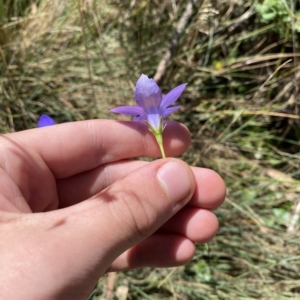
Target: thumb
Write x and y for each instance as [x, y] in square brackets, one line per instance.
[131, 209]
[79, 243]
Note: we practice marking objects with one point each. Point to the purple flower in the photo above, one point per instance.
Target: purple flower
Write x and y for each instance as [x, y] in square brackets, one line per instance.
[151, 106]
[45, 120]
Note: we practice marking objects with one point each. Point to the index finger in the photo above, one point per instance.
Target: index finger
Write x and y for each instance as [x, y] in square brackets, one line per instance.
[72, 148]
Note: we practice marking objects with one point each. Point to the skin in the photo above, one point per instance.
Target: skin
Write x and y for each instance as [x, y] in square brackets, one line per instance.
[74, 206]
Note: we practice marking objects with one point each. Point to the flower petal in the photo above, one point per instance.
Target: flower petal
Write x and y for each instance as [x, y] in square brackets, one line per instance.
[169, 110]
[154, 120]
[140, 118]
[129, 110]
[172, 96]
[147, 93]
[45, 120]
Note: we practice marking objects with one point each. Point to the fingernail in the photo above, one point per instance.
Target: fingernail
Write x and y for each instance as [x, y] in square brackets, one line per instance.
[175, 180]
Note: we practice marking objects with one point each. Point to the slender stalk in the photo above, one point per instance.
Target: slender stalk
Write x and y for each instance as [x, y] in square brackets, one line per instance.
[88, 63]
[173, 44]
[159, 140]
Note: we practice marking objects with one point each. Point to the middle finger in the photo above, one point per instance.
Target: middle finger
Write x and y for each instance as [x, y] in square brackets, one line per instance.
[210, 188]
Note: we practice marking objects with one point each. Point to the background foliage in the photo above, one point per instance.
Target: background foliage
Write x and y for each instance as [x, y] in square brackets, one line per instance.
[76, 59]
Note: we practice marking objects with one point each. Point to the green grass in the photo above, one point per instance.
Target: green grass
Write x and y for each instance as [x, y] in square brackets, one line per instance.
[76, 59]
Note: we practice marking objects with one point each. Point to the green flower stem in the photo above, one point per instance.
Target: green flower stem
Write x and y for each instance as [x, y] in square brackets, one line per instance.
[159, 140]
[158, 136]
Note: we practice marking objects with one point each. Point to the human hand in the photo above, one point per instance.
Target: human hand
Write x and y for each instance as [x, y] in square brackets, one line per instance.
[73, 206]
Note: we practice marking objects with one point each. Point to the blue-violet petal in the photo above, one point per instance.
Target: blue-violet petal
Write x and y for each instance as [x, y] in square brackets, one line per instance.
[140, 118]
[129, 110]
[147, 93]
[45, 120]
[169, 110]
[154, 120]
[172, 96]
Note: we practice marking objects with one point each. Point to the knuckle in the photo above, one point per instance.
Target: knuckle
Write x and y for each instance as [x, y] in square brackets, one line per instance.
[134, 212]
